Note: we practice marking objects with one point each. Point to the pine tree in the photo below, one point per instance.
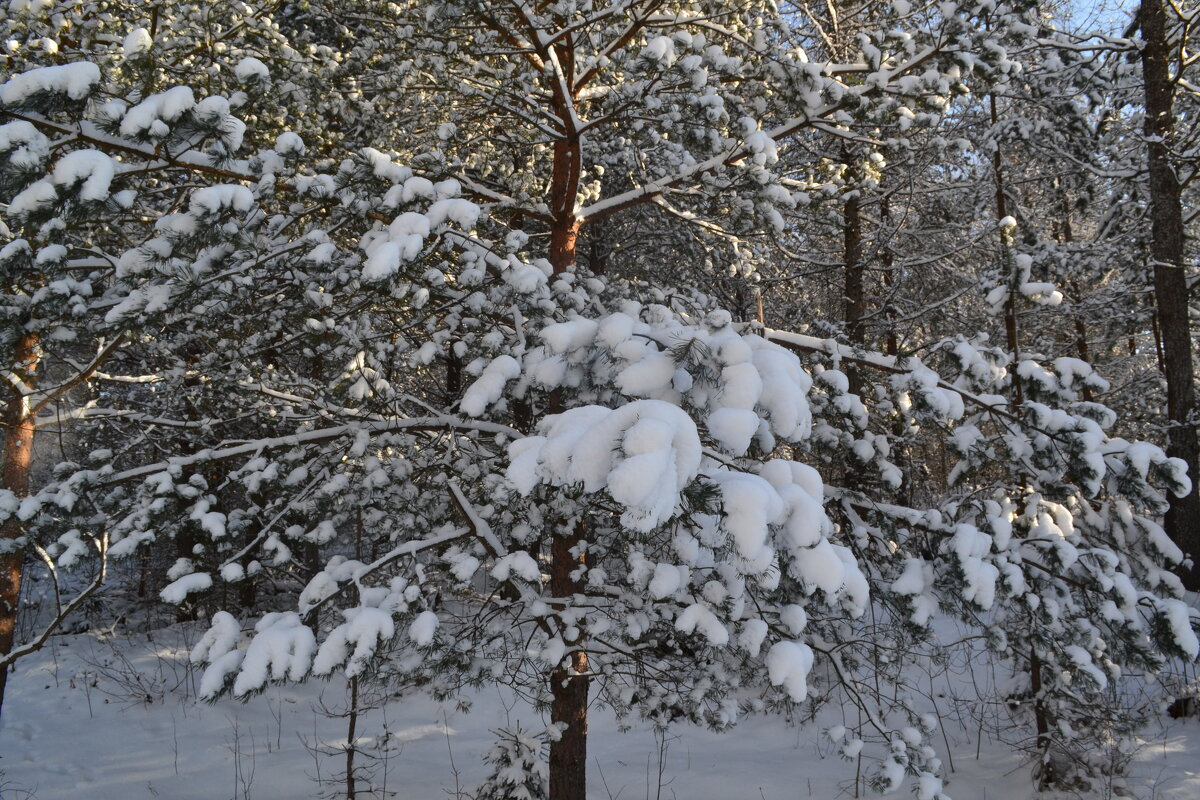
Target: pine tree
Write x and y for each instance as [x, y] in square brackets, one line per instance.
[518, 771]
[375, 363]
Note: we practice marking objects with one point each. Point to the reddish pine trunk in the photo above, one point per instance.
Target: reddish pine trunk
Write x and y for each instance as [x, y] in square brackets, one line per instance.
[568, 686]
[18, 451]
[1170, 285]
[564, 231]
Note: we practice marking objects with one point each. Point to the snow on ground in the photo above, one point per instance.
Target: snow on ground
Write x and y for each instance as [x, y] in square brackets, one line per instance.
[87, 720]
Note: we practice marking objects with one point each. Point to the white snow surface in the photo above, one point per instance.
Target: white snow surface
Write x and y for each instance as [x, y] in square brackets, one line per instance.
[742, 386]
[90, 170]
[364, 629]
[423, 628]
[642, 453]
[251, 69]
[74, 80]
[26, 146]
[164, 743]
[178, 591]
[137, 42]
[788, 665]
[151, 115]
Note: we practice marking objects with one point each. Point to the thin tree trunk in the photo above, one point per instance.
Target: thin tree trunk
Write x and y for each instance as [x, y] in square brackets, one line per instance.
[1067, 236]
[1046, 776]
[1158, 345]
[1081, 346]
[900, 445]
[1170, 285]
[1011, 334]
[18, 453]
[1013, 339]
[351, 739]
[885, 234]
[856, 301]
[454, 371]
[855, 286]
[598, 249]
[568, 686]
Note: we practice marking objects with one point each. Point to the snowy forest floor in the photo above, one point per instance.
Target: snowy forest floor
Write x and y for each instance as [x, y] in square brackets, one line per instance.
[117, 719]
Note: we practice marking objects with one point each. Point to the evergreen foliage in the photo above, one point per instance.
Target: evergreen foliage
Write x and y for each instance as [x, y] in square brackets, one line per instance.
[426, 337]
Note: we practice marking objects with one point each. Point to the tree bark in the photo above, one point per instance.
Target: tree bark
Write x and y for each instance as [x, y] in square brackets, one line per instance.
[18, 457]
[568, 684]
[1011, 333]
[351, 739]
[567, 167]
[1158, 348]
[1170, 285]
[855, 285]
[892, 344]
[1045, 769]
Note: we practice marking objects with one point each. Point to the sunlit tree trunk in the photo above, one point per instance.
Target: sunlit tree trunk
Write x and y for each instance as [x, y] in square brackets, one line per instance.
[14, 472]
[568, 684]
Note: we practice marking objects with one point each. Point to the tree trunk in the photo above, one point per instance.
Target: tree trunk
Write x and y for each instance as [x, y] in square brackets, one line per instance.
[568, 685]
[1158, 348]
[1170, 285]
[892, 344]
[564, 231]
[1045, 768]
[855, 286]
[856, 301]
[1066, 236]
[900, 438]
[454, 372]
[1013, 339]
[351, 741]
[1011, 334]
[18, 452]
